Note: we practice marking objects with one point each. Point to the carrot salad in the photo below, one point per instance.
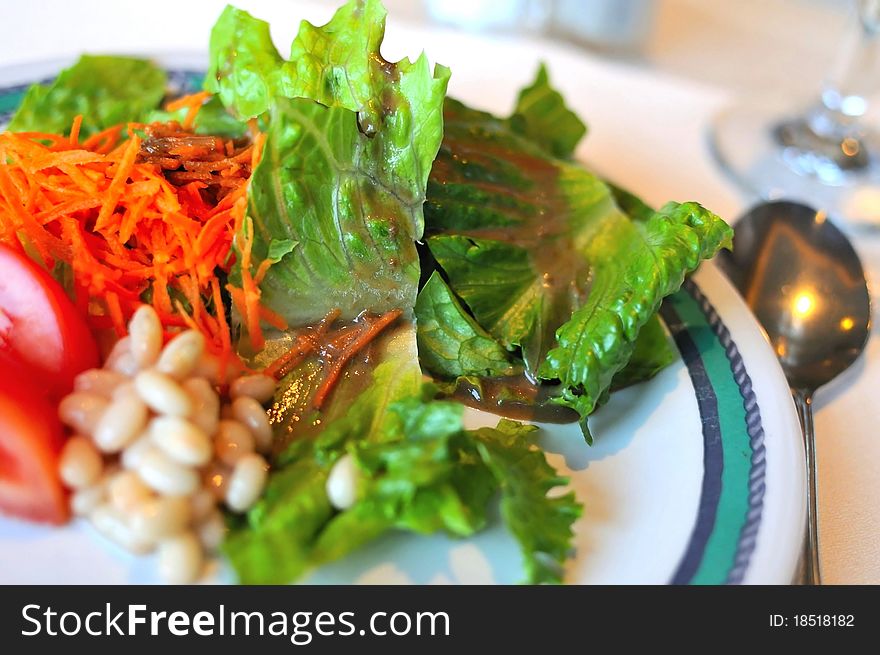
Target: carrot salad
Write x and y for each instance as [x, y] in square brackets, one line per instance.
[140, 213]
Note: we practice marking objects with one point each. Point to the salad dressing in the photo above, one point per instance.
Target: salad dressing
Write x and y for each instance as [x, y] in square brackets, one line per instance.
[563, 273]
[515, 397]
[294, 407]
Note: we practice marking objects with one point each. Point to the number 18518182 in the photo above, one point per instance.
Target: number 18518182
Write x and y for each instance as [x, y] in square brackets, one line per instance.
[812, 621]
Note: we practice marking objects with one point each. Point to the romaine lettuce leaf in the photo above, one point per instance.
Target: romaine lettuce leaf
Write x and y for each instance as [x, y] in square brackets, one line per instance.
[542, 116]
[506, 217]
[349, 147]
[508, 294]
[419, 471]
[105, 90]
[275, 543]
[337, 65]
[245, 69]
[652, 353]
[635, 266]
[451, 343]
[541, 524]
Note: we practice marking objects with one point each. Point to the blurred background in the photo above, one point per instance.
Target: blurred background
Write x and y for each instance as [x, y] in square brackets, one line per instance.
[745, 46]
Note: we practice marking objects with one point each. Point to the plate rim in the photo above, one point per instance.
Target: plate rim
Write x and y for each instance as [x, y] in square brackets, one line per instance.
[778, 536]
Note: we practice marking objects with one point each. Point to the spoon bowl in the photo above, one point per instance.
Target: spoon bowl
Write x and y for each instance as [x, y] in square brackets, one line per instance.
[806, 286]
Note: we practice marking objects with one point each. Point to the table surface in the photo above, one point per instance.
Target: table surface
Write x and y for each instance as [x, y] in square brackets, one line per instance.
[699, 56]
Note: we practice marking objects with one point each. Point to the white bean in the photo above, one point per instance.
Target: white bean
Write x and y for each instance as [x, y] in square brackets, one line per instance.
[216, 480]
[182, 440]
[180, 558]
[145, 332]
[206, 404]
[342, 483]
[246, 482]
[121, 359]
[131, 456]
[82, 410]
[201, 503]
[251, 413]
[84, 501]
[165, 475]
[120, 424]
[99, 381]
[181, 355]
[127, 491]
[80, 464]
[232, 441]
[160, 517]
[162, 394]
[125, 390]
[208, 368]
[126, 365]
[211, 531]
[112, 523]
[260, 387]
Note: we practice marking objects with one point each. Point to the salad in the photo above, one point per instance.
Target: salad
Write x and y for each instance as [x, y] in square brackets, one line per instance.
[248, 320]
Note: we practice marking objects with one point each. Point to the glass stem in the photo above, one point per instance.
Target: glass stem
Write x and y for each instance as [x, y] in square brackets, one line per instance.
[853, 78]
[829, 141]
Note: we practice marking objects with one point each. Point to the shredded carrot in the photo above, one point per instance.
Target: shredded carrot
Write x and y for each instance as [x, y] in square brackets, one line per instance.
[305, 343]
[275, 320]
[334, 370]
[74, 130]
[283, 365]
[116, 313]
[119, 182]
[192, 103]
[110, 208]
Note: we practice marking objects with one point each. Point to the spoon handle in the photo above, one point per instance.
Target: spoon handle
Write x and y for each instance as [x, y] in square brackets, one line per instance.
[803, 400]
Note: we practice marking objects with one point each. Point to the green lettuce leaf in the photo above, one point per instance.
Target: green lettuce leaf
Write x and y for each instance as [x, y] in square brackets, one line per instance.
[653, 350]
[516, 230]
[338, 65]
[542, 116]
[630, 204]
[652, 353]
[418, 471]
[541, 524]
[105, 90]
[451, 343]
[245, 69]
[506, 291]
[635, 266]
[275, 543]
[348, 151]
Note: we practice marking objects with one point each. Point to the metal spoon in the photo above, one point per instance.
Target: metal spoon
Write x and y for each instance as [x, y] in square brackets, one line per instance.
[806, 286]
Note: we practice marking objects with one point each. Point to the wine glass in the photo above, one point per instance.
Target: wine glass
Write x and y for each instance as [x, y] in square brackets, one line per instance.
[825, 156]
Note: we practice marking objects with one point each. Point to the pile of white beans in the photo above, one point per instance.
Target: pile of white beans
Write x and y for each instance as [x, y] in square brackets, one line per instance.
[156, 450]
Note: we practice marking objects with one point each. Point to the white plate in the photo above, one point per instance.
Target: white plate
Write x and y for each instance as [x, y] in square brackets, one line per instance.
[696, 476]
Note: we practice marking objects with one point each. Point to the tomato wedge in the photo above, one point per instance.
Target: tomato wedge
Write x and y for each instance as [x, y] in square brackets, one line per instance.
[39, 325]
[31, 438]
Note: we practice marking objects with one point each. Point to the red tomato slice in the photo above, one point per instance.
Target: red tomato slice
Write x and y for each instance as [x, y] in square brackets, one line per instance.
[31, 438]
[39, 325]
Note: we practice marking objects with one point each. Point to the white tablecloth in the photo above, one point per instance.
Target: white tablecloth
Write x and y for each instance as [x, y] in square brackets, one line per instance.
[654, 144]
